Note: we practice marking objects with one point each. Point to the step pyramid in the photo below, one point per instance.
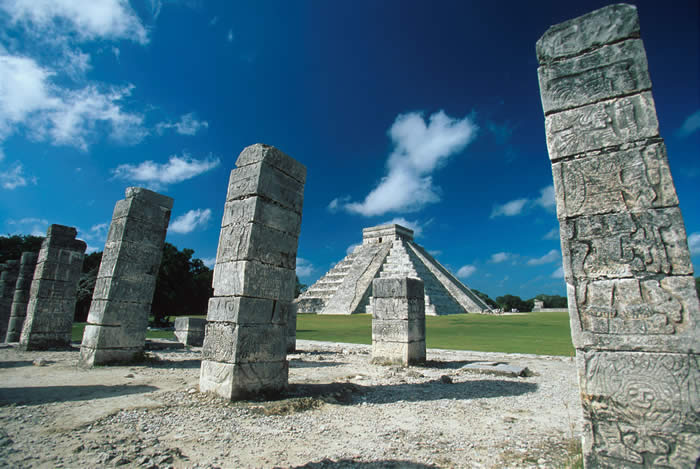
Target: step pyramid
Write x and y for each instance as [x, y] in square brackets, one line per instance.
[387, 251]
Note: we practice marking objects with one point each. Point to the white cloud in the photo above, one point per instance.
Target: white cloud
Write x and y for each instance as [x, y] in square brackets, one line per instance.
[500, 257]
[229, 35]
[552, 234]
[117, 53]
[213, 21]
[420, 148]
[552, 256]
[435, 252]
[304, 267]
[411, 225]
[694, 244]
[35, 226]
[62, 116]
[690, 125]
[465, 271]
[187, 222]
[509, 209]
[86, 20]
[351, 248]
[15, 177]
[546, 200]
[177, 169]
[188, 125]
[209, 261]
[559, 273]
[337, 203]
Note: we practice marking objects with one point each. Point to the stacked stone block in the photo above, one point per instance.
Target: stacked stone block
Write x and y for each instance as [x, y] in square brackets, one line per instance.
[8, 280]
[20, 300]
[245, 345]
[190, 331]
[632, 301]
[398, 321]
[126, 281]
[52, 294]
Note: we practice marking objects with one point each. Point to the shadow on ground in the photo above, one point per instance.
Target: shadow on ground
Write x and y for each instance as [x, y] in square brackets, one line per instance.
[350, 393]
[46, 394]
[354, 464]
[16, 364]
[299, 363]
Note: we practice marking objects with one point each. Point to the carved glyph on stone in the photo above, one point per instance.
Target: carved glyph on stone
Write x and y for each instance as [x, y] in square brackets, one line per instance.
[52, 297]
[20, 300]
[632, 300]
[121, 302]
[246, 339]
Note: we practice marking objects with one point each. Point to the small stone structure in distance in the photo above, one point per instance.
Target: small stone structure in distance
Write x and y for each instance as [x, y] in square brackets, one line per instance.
[121, 302]
[245, 345]
[632, 301]
[8, 280]
[398, 321]
[20, 300]
[52, 298]
[387, 251]
[190, 331]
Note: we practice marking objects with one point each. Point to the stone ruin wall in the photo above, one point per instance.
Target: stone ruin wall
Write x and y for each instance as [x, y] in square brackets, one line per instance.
[20, 300]
[632, 300]
[245, 344]
[126, 281]
[51, 307]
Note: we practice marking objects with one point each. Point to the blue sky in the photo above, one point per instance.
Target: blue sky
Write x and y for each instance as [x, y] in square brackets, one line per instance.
[425, 113]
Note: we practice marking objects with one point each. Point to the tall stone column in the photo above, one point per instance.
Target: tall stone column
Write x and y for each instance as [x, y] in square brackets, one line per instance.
[8, 280]
[244, 350]
[20, 300]
[398, 321]
[632, 301]
[52, 294]
[126, 281]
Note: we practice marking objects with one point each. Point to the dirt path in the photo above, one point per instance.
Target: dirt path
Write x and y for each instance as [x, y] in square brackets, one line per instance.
[340, 411]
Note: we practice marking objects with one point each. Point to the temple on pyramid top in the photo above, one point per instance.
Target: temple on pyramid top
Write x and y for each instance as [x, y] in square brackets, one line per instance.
[387, 251]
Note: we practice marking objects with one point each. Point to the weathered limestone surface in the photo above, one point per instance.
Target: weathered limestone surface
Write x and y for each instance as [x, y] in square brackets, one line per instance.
[20, 300]
[398, 321]
[387, 251]
[248, 331]
[52, 298]
[121, 301]
[8, 281]
[632, 300]
[190, 331]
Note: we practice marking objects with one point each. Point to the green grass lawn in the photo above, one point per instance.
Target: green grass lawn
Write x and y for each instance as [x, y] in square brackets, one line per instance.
[538, 333]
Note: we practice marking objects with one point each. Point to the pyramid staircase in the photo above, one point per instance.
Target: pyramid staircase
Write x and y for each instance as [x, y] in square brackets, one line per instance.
[387, 251]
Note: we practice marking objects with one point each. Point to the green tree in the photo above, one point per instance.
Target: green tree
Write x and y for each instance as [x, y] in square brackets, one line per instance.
[697, 285]
[509, 302]
[86, 285]
[552, 301]
[487, 299]
[12, 247]
[183, 286]
[299, 288]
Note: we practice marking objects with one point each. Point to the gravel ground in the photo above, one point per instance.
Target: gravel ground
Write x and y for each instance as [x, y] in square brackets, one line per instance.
[339, 411]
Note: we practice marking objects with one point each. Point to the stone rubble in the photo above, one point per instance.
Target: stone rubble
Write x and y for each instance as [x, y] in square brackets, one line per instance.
[340, 411]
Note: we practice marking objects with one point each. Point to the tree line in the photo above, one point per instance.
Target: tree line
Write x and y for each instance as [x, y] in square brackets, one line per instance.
[183, 286]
